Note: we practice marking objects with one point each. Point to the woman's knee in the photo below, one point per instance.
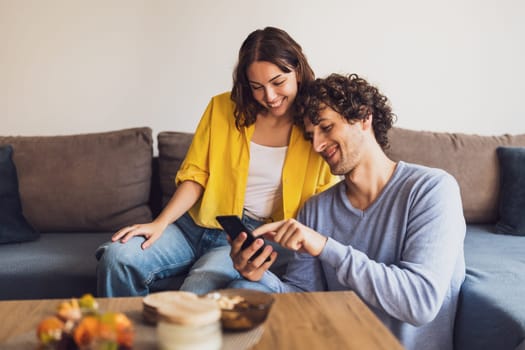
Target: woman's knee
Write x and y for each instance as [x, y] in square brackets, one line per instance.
[117, 253]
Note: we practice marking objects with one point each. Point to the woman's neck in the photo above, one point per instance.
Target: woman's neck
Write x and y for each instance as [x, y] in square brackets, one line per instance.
[272, 131]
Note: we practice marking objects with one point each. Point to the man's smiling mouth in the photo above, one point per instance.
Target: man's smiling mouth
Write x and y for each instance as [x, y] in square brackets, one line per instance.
[330, 152]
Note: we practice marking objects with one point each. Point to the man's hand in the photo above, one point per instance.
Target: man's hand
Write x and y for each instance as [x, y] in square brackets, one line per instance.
[293, 235]
[243, 261]
[151, 232]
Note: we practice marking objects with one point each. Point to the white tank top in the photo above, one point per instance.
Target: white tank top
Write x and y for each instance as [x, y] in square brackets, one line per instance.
[263, 188]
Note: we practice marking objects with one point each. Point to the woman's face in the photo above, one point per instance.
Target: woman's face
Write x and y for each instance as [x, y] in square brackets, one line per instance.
[274, 89]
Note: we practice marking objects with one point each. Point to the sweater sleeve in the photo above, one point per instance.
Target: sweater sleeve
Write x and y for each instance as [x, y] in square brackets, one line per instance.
[412, 289]
[299, 276]
[304, 273]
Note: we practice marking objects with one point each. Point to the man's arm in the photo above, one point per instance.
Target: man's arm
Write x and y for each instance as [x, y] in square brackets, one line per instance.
[304, 271]
[413, 288]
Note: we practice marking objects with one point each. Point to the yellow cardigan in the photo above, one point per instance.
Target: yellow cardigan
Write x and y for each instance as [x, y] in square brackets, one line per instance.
[218, 159]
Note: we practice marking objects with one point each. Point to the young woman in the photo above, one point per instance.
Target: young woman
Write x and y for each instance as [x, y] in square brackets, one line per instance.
[247, 158]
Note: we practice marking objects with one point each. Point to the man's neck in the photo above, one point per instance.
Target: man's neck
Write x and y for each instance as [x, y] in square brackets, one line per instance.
[366, 182]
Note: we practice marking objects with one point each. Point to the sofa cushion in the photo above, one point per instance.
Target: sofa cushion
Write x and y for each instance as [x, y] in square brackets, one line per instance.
[471, 159]
[173, 147]
[491, 311]
[14, 227]
[512, 190]
[58, 265]
[88, 182]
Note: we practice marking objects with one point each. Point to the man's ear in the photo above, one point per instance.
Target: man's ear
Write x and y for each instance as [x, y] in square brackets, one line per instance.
[367, 122]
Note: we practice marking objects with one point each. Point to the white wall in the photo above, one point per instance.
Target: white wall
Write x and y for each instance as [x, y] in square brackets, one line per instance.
[97, 65]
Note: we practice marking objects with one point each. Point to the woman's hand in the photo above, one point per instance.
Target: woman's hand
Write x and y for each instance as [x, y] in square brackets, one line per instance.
[151, 232]
[251, 268]
[187, 194]
[293, 235]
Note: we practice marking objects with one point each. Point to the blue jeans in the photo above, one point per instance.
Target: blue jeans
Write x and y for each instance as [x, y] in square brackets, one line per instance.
[128, 270]
[246, 284]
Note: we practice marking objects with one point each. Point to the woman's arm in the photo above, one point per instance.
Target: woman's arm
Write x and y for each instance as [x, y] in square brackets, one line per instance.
[187, 193]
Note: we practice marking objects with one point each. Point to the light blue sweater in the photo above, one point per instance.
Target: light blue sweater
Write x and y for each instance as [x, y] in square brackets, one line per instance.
[403, 255]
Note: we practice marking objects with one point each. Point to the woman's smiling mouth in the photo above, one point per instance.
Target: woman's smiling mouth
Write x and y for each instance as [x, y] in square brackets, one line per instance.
[275, 104]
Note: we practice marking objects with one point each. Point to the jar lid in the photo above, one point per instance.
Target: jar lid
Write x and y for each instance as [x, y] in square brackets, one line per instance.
[190, 311]
[158, 299]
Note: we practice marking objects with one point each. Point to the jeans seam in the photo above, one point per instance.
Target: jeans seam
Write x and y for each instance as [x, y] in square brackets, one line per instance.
[152, 276]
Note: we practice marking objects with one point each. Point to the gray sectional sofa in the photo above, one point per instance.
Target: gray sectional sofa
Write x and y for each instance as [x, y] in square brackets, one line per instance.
[76, 190]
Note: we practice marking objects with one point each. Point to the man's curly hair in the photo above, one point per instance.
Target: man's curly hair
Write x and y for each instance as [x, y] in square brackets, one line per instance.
[350, 96]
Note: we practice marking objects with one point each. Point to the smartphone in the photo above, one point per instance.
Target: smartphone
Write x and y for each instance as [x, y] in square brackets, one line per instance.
[233, 226]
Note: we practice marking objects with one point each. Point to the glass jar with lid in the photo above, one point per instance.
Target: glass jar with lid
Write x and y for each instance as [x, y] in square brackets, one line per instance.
[188, 324]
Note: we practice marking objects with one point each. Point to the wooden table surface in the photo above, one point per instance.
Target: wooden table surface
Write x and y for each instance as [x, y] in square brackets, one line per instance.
[320, 320]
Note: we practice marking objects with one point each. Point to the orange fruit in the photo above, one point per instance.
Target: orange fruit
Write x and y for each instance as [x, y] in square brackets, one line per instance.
[125, 333]
[49, 329]
[118, 325]
[86, 331]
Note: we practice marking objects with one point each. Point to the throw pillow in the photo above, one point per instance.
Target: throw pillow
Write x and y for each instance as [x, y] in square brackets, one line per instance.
[14, 227]
[512, 190]
[95, 182]
[470, 158]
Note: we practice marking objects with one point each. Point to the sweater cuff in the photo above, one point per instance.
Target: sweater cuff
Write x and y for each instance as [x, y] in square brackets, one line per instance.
[334, 252]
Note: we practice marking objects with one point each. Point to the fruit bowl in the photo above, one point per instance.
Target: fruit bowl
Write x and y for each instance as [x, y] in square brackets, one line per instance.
[242, 309]
[78, 324]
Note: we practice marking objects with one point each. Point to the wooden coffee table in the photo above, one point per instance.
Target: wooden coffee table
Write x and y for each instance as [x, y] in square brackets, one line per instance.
[319, 320]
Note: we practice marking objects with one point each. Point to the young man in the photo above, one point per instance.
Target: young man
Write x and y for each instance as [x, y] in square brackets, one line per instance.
[391, 232]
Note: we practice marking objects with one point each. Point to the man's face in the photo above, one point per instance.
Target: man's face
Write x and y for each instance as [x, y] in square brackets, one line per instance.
[336, 140]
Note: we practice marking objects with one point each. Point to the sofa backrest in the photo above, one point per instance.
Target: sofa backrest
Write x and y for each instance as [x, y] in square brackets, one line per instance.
[84, 183]
[471, 159]
[101, 181]
[173, 147]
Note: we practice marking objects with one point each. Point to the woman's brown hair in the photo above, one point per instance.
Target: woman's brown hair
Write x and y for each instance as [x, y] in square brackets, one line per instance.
[271, 45]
